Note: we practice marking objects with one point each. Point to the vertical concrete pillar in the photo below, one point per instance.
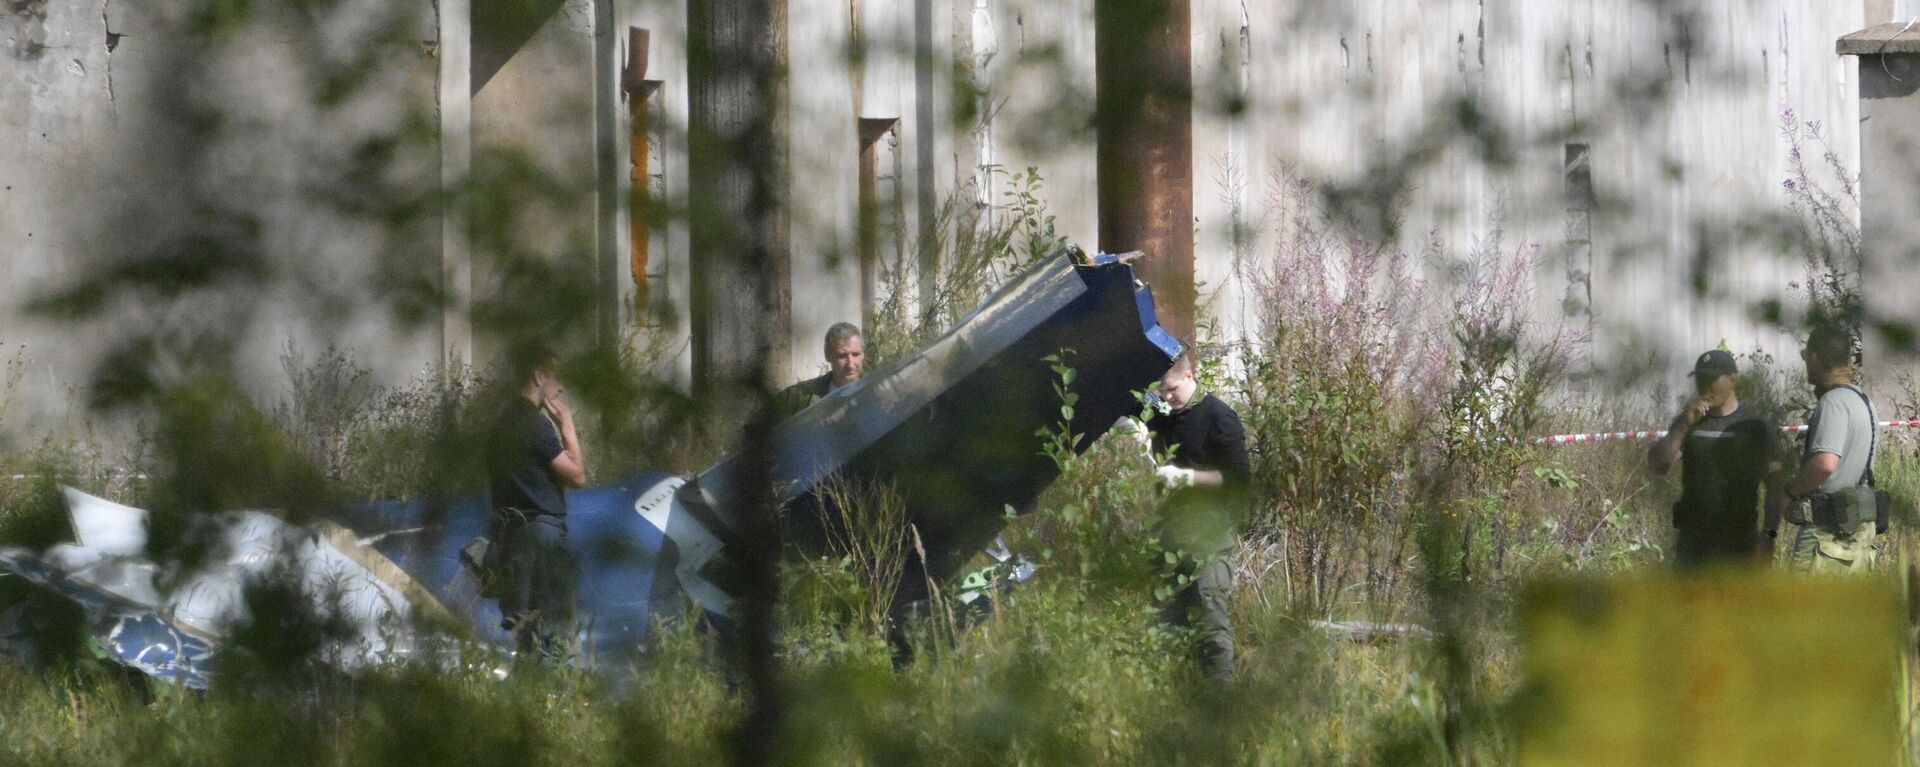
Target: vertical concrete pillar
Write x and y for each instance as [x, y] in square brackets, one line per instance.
[873, 130]
[1143, 78]
[1889, 187]
[926, 196]
[737, 160]
[876, 73]
[607, 74]
[535, 74]
[456, 156]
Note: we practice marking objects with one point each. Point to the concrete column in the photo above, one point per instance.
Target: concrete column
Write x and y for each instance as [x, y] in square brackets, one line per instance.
[607, 137]
[737, 155]
[456, 159]
[1889, 187]
[536, 70]
[926, 195]
[873, 132]
[1143, 77]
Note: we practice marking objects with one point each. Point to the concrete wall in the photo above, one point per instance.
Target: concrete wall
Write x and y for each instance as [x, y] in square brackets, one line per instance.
[1890, 191]
[1684, 136]
[113, 154]
[1683, 130]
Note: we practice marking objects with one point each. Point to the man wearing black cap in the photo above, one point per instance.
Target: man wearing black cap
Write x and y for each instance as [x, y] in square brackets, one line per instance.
[1728, 453]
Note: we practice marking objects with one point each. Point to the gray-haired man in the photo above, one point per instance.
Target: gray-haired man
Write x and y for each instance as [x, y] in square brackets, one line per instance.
[846, 355]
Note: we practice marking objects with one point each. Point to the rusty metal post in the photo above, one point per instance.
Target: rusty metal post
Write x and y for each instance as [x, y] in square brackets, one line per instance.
[872, 130]
[639, 91]
[1143, 80]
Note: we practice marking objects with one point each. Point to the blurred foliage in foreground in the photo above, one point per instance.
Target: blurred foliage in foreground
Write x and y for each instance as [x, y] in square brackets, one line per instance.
[1732, 668]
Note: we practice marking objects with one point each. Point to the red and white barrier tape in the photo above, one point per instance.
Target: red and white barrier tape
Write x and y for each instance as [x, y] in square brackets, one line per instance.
[1612, 436]
[108, 475]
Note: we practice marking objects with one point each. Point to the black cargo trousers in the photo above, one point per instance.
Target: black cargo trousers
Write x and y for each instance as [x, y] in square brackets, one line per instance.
[537, 602]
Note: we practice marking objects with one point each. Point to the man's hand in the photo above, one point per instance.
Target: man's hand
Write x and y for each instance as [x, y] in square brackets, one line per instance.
[571, 464]
[1696, 412]
[1174, 476]
[562, 415]
[1799, 511]
[1133, 430]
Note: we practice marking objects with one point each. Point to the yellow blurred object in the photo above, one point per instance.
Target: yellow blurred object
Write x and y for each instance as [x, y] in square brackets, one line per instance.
[1734, 668]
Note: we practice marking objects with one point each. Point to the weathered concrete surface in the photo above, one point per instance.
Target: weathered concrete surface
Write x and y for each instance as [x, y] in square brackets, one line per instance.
[1680, 114]
[111, 158]
[1883, 38]
[538, 108]
[1889, 57]
[56, 111]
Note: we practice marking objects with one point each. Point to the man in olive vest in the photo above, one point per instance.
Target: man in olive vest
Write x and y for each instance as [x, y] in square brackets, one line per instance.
[1835, 506]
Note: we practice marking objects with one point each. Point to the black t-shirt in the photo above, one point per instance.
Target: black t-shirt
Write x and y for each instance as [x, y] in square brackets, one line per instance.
[1205, 435]
[1724, 465]
[521, 446]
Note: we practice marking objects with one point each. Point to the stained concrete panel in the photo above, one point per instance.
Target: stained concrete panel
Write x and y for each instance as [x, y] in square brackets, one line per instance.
[537, 108]
[1890, 199]
[134, 136]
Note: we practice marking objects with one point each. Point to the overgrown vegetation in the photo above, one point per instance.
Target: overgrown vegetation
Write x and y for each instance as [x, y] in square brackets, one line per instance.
[1389, 413]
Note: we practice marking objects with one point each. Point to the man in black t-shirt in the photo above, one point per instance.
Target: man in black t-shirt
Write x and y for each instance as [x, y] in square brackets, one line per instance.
[1727, 453]
[533, 453]
[1204, 452]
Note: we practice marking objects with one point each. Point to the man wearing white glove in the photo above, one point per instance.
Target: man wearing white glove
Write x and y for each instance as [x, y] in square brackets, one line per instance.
[1202, 450]
[1174, 477]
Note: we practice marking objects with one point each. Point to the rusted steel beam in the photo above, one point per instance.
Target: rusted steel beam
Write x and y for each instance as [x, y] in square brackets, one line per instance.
[640, 91]
[1143, 78]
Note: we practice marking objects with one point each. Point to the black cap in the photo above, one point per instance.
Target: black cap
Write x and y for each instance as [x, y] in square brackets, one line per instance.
[1714, 364]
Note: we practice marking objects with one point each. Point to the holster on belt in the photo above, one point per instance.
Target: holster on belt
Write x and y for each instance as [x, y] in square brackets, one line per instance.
[1845, 509]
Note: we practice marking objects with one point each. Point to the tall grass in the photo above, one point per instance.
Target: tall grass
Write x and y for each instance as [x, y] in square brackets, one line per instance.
[1388, 414]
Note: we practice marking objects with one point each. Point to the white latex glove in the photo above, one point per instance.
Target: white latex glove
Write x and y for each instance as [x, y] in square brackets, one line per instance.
[1133, 430]
[1174, 476]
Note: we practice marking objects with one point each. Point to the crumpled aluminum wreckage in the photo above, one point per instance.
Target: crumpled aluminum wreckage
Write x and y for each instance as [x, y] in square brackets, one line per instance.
[951, 429]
